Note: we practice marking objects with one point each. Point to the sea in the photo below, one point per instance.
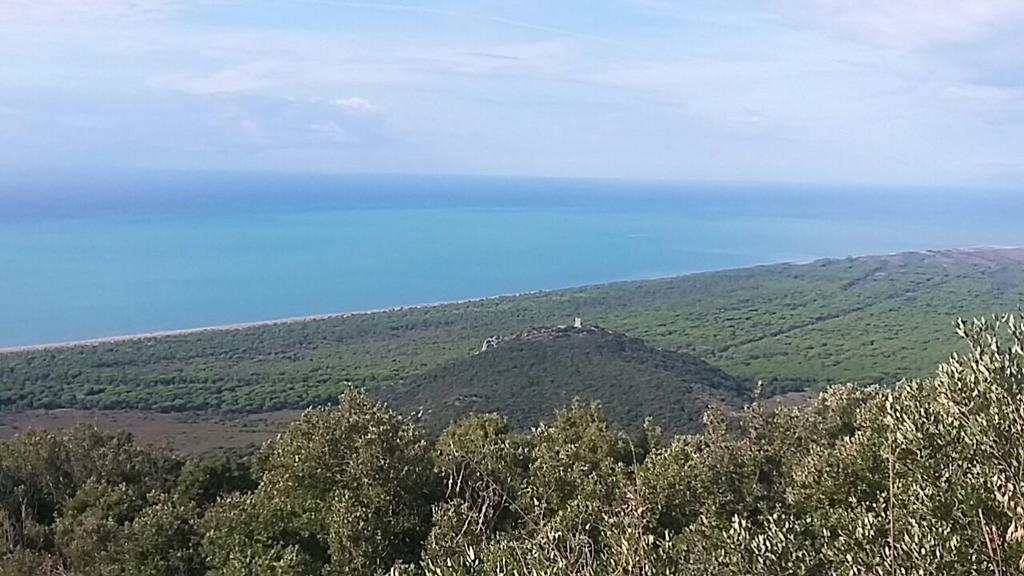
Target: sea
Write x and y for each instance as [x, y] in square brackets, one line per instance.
[97, 255]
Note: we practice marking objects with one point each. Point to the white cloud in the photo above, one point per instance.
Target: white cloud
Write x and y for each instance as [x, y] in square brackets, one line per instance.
[985, 98]
[909, 23]
[357, 105]
[783, 89]
[180, 129]
[248, 77]
[268, 123]
[76, 10]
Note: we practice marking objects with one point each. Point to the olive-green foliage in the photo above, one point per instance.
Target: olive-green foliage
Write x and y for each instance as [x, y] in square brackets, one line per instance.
[866, 320]
[923, 478]
[22, 562]
[346, 490]
[541, 496]
[88, 502]
[206, 478]
[42, 473]
[92, 522]
[162, 540]
[485, 469]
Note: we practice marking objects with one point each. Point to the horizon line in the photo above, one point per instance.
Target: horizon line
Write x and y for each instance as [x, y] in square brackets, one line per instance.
[21, 172]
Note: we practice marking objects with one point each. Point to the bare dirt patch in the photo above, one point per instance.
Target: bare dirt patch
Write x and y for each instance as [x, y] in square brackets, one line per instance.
[188, 433]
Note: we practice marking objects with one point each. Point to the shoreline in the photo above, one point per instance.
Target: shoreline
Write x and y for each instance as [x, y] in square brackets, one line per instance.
[142, 336]
[238, 326]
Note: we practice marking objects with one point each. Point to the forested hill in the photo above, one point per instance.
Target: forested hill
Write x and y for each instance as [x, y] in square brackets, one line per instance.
[922, 478]
[529, 376]
[870, 319]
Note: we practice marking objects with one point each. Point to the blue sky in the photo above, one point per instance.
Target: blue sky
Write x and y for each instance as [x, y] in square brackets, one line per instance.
[927, 92]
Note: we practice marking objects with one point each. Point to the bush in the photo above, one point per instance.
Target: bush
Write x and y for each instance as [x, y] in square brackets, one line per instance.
[346, 490]
[923, 478]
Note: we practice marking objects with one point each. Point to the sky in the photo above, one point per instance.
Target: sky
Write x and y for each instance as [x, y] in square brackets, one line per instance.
[892, 92]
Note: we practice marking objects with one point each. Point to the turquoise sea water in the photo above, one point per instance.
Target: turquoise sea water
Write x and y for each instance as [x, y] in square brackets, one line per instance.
[99, 256]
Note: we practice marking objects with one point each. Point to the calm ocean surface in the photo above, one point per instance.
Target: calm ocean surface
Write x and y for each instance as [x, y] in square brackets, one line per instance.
[96, 256]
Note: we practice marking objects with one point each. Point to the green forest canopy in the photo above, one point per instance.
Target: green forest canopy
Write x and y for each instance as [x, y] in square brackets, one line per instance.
[866, 320]
[529, 376]
[923, 478]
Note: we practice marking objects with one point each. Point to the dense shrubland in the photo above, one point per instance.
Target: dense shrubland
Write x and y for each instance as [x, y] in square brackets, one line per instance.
[529, 376]
[923, 478]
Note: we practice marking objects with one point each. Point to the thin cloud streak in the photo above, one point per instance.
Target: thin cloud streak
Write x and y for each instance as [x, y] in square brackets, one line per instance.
[461, 16]
[13, 11]
[909, 23]
[702, 92]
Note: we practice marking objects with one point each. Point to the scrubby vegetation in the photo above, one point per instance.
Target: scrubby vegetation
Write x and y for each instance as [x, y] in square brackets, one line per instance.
[530, 375]
[923, 478]
[866, 320]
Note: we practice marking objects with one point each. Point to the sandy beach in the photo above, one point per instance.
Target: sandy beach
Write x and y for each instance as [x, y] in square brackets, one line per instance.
[1009, 251]
[243, 325]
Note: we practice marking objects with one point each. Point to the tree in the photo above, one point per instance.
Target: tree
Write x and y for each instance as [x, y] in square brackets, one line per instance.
[346, 490]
